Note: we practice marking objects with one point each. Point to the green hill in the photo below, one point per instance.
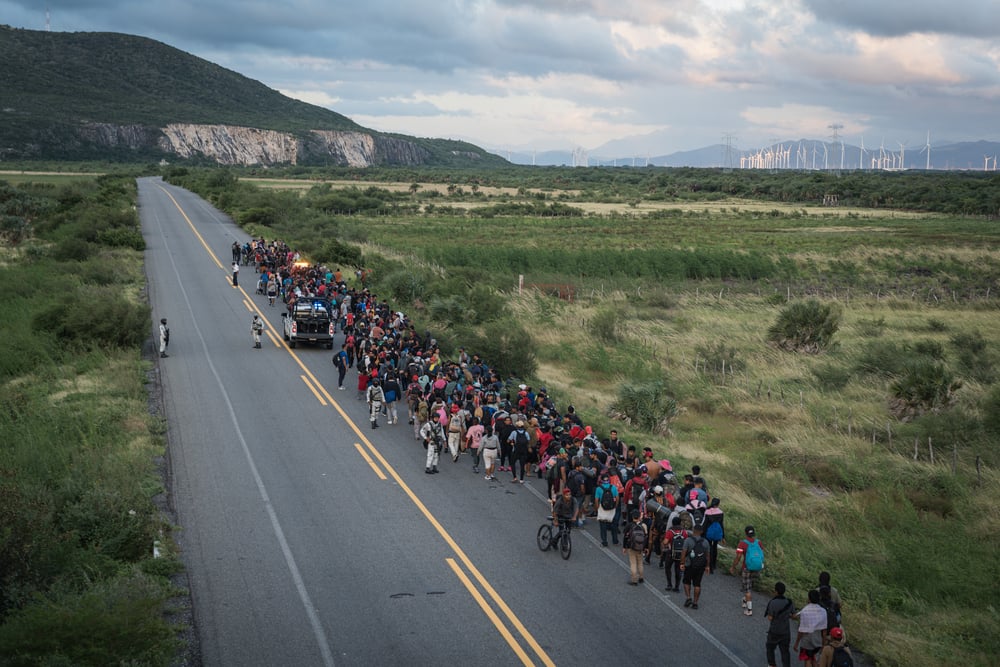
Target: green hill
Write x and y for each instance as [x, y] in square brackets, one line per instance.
[108, 96]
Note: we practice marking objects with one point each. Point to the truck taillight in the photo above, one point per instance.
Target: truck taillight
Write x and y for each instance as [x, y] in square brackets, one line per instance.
[295, 328]
[331, 329]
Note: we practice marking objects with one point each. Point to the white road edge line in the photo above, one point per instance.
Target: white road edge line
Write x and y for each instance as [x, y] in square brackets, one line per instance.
[317, 627]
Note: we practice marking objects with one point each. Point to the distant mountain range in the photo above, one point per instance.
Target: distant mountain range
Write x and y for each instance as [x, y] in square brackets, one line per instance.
[116, 97]
[797, 154]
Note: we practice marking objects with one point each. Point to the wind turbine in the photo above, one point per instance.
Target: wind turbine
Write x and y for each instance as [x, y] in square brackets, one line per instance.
[927, 149]
[902, 154]
[826, 162]
[881, 155]
[861, 155]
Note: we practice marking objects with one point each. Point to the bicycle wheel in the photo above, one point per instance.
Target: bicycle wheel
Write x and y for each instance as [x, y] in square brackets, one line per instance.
[544, 537]
[565, 546]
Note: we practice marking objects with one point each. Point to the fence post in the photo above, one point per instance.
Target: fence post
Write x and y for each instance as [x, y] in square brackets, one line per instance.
[930, 448]
[916, 445]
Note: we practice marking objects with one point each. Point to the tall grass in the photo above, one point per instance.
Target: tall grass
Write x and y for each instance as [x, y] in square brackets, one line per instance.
[77, 445]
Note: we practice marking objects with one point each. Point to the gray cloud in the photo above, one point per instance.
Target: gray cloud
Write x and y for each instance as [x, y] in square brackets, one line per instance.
[974, 18]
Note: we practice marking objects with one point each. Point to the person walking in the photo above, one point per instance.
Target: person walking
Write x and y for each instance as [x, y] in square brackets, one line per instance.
[256, 329]
[715, 532]
[673, 546]
[236, 274]
[340, 362]
[750, 559]
[836, 653]
[164, 337]
[694, 564]
[779, 612]
[434, 438]
[812, 630]
[519, 440]
[634, 545]
[392, 392]
[606, 497]
[473, 440]
[376, 398]
[490, 447]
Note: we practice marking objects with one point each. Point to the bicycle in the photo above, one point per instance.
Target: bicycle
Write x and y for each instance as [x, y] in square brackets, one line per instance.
[548, 538]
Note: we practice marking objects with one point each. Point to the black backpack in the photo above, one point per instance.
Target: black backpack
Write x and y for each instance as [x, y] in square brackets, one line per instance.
[698, 558]
[637, 535]
[574, 480]
[521, 438]
[841, 658]
[677, 546]
[637, 490]
[607, 498]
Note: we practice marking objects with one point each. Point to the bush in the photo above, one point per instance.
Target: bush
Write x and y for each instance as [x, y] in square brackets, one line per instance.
[645, 405]
[925, 386]
[605, 327]
[719, 359]
[508, 348]
[805, 326]
[72, 250]
[98, 315]
[119, 621]
[974, 356]
[122, 237]
[335, 252]
[405, 285]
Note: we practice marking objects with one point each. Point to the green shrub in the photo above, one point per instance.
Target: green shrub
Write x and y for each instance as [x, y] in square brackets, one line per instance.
[605, 326]
[925, 386]
[645, 405]
[719, 358]
[122, 237]
[974, 356]
[119, 621]
[883, 358]
[405, 285]
[806, 326]
[931, 349]
[333, 252]
[936, 325]
[832, 376]
[507, 347]
[72, 250]
[98, 315]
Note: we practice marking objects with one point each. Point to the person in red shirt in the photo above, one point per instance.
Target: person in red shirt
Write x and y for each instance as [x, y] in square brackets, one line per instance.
[749, 570]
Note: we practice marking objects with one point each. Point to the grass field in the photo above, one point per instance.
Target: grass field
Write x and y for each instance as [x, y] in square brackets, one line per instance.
[808, 447]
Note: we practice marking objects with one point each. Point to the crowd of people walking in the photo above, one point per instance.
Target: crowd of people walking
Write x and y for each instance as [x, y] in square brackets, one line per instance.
[464, 408]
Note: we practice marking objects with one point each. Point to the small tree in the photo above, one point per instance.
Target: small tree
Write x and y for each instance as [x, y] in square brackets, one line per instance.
[805, 326]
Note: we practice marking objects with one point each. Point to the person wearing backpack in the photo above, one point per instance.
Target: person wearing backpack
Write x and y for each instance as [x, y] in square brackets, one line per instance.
[634, 545]
[519, 439]
[836, 653]
[606, 496]
[673, 548]
[779, 634]
[750, 559]
[715, 532]
[694, 564]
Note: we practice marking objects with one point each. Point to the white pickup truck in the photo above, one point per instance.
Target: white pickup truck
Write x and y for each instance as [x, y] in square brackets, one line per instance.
[310, 321]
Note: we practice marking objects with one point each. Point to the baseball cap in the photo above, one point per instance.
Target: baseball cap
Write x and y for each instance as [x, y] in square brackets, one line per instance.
[837, 633]
[657, 489]
[567, 492]
[750, 531]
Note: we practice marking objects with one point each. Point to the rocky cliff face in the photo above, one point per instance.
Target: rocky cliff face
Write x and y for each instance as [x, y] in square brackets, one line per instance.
[232, 145]
[224, 144]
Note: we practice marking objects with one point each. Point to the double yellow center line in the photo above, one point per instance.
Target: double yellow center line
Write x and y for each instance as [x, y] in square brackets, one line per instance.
[325, 398]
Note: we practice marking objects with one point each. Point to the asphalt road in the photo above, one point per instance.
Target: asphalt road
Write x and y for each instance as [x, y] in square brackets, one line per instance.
[311, 540]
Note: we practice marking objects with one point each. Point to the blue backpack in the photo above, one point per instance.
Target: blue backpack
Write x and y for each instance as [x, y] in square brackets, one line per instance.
[754, 557]
[714, 532]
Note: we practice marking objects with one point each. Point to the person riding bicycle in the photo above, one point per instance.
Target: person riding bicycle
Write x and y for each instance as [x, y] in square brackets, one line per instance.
[563, 510]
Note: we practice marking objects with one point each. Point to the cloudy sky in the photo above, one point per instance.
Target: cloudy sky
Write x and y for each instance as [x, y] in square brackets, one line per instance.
[646, 76]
